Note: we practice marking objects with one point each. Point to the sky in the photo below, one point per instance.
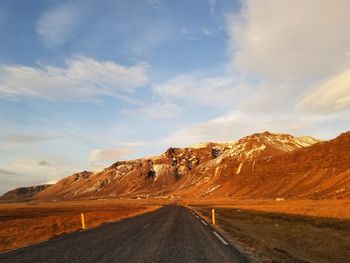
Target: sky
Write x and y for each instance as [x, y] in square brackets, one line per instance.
[85, 83]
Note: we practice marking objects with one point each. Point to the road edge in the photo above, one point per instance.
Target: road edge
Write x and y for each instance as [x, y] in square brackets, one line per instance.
[251, 257]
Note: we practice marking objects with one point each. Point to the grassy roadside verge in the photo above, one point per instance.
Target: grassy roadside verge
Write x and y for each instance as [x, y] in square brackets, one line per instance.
[275, 237]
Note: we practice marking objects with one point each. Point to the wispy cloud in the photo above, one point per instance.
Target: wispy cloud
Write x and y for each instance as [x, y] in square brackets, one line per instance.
[155, 33]
[157, 110]
[207, 31]
[28, 138]
[7, 173]
[212, 5]
[197, 33]
[80, 78]
[195, 88]
[190, 33]
[57, 24]
[156, 4]
[331, 96]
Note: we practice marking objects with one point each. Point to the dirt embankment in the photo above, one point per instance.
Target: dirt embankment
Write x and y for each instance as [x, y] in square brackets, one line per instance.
[22, 224]
[277, 237]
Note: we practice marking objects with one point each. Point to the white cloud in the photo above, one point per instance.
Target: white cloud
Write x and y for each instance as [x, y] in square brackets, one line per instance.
[290, 40]
[56, 25]
[79, 78]
[331, 96]
[284, 47]
[100, 158]
[216, 91]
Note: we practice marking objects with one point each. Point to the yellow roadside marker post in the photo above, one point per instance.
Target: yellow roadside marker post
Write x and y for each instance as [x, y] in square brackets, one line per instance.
[213, 216]
[82, 221]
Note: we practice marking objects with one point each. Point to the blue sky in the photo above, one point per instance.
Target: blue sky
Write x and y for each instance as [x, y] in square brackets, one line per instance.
[86, 83]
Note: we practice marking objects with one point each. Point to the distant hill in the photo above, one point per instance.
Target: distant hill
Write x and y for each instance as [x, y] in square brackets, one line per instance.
[23, 193]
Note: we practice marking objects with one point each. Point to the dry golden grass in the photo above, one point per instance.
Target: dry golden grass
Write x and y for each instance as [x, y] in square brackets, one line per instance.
[317, 208]
[25, 223]
[276, 237]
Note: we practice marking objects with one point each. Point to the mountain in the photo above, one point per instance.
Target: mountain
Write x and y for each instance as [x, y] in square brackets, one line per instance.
[23, 193]
[262, 165]
[196, 171]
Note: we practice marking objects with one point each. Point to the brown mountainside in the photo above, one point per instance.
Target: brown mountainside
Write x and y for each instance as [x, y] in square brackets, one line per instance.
[318, 171]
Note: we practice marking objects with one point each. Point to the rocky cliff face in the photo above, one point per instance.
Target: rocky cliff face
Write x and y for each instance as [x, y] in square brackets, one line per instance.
[262, 165]
[220, 176]
[151, 176]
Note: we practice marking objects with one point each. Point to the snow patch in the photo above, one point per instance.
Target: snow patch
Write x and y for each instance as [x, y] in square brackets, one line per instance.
[227, 144]
[211, 189]
[239, 168]
[161, 169]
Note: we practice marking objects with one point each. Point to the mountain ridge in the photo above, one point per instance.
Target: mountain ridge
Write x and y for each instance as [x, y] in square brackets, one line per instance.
[261, 165]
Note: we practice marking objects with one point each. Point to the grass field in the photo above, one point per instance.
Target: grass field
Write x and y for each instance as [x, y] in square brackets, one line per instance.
[281, 237]
[25, 223]
[330, 208]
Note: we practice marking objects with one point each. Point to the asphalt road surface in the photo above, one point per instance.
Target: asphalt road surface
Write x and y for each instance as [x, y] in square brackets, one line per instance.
[169, 234]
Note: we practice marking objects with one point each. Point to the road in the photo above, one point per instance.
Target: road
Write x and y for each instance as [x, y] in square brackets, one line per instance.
[169, 234]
